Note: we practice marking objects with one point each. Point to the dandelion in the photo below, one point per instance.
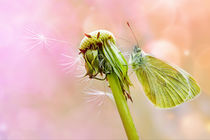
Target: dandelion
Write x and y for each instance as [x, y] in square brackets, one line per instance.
[103, 58]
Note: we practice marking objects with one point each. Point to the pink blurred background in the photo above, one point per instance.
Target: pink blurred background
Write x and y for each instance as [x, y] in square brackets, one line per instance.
[41, 96]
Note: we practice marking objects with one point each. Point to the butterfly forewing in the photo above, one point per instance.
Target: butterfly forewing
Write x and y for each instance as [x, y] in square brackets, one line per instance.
[166, 86]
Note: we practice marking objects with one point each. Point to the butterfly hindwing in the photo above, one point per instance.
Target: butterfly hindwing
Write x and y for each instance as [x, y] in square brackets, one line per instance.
[165, 86]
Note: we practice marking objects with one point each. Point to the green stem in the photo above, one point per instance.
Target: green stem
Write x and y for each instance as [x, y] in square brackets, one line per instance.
[122, 107]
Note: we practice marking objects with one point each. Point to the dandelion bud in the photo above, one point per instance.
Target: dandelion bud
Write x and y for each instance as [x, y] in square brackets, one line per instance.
[102, 57]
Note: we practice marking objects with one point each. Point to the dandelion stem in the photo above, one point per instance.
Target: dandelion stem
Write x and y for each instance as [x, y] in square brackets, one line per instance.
[122, 107]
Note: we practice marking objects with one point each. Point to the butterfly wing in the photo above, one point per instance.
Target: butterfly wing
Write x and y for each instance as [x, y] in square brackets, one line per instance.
[165, 86]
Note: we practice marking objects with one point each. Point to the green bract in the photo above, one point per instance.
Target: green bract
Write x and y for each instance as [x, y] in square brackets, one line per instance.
[102, 57]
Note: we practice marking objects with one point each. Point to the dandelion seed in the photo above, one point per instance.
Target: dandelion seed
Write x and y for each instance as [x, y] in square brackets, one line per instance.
[91, 99]
[98, 97]
[100, 93]
[71, 63]
[40, 40]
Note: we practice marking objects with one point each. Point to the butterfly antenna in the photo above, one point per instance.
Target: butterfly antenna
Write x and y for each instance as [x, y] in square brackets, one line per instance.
[133, 33]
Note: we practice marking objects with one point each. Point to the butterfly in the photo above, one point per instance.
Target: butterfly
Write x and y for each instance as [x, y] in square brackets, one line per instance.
[165, 85]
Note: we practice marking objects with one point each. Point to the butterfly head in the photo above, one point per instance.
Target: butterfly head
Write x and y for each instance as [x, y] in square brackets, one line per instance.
[136, 57]
[136, 49]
